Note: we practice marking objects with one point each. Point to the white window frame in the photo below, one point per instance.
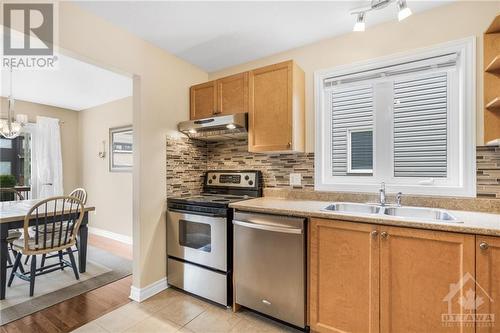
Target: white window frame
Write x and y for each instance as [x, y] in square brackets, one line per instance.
[349, 150]
[461, 180]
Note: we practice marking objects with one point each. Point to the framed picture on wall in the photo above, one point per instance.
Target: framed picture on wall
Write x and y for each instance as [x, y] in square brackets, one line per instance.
[120, 149]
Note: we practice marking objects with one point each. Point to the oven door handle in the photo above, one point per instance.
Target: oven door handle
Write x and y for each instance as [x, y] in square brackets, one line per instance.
[266, 227]
[194, 213]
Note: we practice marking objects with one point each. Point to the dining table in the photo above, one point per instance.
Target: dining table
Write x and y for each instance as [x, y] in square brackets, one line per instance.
[12, 214]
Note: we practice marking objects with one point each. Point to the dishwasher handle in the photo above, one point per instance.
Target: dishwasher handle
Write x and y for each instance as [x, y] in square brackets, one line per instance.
[266, 227]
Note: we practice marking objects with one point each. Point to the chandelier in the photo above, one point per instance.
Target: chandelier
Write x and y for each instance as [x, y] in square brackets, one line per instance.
[403, 11]
[12, 126]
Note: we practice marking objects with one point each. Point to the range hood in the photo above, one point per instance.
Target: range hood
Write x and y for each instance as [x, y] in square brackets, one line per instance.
[218, 128]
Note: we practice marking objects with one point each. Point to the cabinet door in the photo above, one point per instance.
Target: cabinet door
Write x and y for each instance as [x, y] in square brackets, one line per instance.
[203, 100]
[488, 284]
[343, 277]
[232, 94]
[421, 272]
[270, 113]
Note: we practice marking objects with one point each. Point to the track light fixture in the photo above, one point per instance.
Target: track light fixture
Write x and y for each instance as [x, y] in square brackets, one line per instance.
[403, 11]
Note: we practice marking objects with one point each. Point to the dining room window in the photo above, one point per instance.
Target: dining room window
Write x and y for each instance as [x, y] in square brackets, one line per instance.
[15, 158]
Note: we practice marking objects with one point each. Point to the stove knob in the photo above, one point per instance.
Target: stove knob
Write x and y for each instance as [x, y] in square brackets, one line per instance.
[210, 181]
[214, 177]
[246, 177]
[250, 182]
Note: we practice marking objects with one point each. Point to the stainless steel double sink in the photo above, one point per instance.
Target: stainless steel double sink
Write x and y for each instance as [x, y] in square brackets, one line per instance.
[416, 213]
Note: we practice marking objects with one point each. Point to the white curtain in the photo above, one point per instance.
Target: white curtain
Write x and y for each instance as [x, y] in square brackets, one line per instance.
[46, 163]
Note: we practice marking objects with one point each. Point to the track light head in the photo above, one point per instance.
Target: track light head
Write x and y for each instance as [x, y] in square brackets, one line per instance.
[404, 11]
[360, 22]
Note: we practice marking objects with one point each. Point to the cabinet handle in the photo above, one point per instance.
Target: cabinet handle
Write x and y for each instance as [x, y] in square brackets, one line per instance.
[483, 246]
[374, 233]
[384, 235]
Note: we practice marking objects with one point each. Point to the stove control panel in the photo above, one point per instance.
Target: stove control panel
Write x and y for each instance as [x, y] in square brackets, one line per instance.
[238, 179]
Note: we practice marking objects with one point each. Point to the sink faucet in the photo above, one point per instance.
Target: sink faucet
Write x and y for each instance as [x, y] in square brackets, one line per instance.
[382, 199]
[399, 196]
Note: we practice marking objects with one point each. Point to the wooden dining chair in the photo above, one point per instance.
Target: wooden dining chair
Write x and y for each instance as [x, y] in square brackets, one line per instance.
[79, 193]
[11, 194]
[64, 214]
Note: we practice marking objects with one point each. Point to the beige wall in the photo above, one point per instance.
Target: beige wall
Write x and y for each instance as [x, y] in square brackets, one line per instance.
[69, 135]
[109, 192]
[458, 20]
[161, 100]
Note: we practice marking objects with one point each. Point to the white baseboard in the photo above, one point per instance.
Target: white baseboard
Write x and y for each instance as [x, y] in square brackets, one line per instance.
[111, 235]
[141, 294]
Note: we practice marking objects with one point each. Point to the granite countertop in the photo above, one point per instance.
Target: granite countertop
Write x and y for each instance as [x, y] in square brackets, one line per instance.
[468, 222]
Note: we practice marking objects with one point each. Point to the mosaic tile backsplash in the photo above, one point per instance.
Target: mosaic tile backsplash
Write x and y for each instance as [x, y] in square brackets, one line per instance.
[488, 172]
[188, 159]
[276, 168]
[186, 163]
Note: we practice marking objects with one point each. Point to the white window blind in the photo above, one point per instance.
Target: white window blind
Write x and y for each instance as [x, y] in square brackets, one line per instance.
[352, 109]
[420, 126]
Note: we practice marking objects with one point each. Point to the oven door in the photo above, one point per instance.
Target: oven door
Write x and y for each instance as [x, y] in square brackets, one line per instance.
[200, 239]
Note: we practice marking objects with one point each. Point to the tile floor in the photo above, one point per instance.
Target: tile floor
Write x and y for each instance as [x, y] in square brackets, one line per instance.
[174, 311]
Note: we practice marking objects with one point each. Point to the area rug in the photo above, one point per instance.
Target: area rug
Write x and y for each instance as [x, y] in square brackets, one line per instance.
[102, 268]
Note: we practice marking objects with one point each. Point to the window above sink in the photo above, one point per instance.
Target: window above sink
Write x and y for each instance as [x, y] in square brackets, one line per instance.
[407, 120]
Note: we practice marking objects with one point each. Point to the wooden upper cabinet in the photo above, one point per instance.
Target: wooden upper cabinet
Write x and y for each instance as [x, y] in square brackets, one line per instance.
[203, 100]
[232, 94]
[420, 275]
[488, 283]
[276, 108]
[343, 277]
[273, 96]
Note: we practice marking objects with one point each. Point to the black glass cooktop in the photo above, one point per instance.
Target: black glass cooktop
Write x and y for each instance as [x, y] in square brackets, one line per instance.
[209, 199]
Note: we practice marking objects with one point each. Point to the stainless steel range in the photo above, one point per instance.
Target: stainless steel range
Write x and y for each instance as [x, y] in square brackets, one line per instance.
[200, 234]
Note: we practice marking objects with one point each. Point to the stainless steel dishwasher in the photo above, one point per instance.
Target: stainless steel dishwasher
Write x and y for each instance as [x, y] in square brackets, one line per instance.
[269, 265]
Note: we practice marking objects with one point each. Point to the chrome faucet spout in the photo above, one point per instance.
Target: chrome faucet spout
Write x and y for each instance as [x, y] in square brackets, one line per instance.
[382, 197]
[399, 196]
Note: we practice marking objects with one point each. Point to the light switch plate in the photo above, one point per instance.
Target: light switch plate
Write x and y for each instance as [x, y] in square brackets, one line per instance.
[295, 179]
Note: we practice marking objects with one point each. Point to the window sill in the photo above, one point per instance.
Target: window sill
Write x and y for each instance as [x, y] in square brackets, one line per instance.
[428, 190]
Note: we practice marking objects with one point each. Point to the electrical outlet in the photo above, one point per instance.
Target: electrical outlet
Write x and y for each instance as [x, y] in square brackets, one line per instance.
[295, 179]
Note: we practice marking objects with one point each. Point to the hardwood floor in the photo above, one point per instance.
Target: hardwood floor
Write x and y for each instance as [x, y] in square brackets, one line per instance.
[77, 311]
[112, 246]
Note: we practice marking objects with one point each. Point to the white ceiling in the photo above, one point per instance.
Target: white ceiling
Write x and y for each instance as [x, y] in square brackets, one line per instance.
[73, 84]
[215, 35]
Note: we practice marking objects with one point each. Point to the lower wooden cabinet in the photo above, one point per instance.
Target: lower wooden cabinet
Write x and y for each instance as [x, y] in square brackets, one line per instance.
[343, 277]
[417, 271]
[373, 278]
[488, 284]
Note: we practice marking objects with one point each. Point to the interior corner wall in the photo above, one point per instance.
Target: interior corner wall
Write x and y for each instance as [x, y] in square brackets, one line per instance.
[69, 135]
[110, 192]
[162, 101]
